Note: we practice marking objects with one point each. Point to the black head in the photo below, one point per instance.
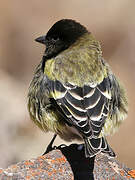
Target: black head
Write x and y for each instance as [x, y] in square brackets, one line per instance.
[60, 36]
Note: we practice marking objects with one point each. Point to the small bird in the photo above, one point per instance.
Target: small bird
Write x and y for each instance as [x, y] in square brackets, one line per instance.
[73, 92]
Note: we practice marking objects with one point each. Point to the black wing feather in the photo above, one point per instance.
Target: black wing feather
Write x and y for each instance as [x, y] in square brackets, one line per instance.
[86, 107]
[77, 103]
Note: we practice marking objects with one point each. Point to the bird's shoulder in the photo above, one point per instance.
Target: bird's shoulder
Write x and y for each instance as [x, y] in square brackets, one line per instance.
[80, 64]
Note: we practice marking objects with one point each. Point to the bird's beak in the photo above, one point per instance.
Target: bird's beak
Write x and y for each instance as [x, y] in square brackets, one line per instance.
[41, 39]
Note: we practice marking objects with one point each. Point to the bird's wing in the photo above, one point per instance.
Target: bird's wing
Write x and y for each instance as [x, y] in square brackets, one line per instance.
[85, 107]
[81, 88]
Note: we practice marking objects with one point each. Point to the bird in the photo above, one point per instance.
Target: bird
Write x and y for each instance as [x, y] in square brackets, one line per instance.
[74, 92]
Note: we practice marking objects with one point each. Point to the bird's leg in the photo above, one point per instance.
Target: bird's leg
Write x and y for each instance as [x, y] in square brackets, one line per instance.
[49, 147]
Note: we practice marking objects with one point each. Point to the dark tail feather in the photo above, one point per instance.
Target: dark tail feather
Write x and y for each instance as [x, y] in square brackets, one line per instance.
[96, 145]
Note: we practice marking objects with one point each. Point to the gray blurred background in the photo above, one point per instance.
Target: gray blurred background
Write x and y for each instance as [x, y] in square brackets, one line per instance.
[113, 24]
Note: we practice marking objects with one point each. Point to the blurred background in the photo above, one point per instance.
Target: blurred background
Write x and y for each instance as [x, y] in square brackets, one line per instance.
[113, 24]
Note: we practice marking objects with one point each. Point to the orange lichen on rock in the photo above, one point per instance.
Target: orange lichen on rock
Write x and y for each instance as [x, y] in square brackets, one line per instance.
[56, 165]
[50, 166]
[132, 173]
[28, 163]
[61, 159]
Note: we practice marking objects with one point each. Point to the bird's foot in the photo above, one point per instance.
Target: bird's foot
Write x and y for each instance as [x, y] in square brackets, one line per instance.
[61, 146]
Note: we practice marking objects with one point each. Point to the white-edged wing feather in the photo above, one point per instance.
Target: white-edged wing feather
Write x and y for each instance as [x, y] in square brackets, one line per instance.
[85, 107]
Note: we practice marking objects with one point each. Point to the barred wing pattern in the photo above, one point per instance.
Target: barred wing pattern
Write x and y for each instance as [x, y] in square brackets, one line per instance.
[86, 108]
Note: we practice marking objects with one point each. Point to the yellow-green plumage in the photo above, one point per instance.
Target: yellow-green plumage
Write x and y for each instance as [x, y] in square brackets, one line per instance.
[80, 61]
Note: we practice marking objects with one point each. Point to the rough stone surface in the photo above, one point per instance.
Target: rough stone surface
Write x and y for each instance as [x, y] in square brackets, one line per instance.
[67, 163]
[51, 166]
[106, 168]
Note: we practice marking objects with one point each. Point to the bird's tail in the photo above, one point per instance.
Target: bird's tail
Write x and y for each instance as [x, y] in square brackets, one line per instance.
[96, 145]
